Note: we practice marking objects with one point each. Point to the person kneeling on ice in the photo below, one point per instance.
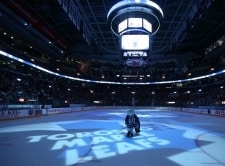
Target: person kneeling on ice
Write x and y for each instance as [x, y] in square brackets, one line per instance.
[132, 122]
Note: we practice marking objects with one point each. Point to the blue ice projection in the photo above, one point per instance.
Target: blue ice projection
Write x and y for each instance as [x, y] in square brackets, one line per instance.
[96, 139]
[81, 141]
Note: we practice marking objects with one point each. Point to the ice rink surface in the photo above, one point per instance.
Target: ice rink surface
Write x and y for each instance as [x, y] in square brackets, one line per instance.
[98, 138]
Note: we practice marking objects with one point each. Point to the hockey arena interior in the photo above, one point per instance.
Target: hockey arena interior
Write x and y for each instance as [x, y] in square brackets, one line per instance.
[112, 82]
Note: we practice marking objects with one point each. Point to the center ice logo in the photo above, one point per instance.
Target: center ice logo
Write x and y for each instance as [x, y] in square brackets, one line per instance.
[102, 142]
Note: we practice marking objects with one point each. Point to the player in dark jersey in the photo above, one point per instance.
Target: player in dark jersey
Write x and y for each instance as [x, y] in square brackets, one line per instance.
[132, 122]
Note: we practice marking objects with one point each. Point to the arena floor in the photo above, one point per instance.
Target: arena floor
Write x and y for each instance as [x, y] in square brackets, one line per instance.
[98, 138]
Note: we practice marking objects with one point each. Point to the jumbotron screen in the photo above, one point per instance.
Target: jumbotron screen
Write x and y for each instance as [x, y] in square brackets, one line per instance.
[135, 42]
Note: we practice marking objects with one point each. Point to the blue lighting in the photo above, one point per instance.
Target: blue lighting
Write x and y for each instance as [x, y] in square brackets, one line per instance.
[107, 82]
[130, 2]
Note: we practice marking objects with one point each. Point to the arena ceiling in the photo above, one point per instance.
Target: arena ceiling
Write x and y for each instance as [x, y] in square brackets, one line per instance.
[187, 30]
